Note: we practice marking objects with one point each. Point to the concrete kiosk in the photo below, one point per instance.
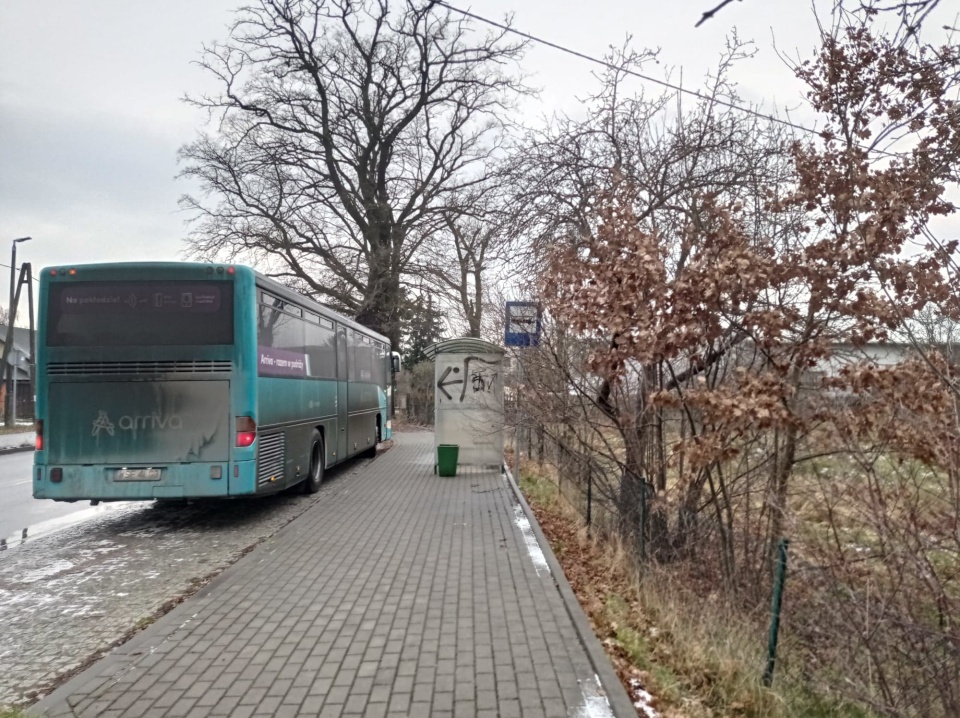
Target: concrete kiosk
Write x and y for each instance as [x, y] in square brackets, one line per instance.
[469, 399]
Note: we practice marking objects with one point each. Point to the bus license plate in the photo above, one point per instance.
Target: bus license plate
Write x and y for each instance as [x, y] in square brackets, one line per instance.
[137, 475]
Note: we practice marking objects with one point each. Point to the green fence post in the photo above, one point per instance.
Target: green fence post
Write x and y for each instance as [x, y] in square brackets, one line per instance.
[589, 498]
[779, 578]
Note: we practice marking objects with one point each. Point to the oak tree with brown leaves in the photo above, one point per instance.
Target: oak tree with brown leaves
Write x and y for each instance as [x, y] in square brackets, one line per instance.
[720, 353]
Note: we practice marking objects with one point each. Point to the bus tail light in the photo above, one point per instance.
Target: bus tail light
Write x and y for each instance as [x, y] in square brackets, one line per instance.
[39, 441]
[56, 475]
[246, 431]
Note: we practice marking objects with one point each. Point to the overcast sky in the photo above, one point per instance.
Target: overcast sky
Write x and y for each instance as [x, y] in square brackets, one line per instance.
[91, 115]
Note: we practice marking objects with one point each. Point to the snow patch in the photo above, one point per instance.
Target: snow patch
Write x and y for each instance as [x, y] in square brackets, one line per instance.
[21, 604]
[81, 611]
[44, 571]
[108, 548]
[642, 699]
[595, 703]
[533, 548]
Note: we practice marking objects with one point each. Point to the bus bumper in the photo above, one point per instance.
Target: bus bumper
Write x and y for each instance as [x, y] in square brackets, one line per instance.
[179, 481]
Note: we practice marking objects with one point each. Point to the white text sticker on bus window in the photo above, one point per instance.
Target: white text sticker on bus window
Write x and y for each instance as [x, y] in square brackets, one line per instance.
[280, 362]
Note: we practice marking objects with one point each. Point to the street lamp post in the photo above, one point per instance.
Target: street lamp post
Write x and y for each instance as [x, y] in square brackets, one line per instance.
[12, 312]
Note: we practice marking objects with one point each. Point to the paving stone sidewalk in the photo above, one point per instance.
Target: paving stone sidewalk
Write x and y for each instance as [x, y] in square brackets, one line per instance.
[400, 593]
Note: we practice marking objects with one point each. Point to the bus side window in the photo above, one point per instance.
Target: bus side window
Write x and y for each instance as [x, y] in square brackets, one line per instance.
[267, 319]
[280, 330]
[341, 353]
[365, 358]
[352, 337]
[382, 368]
[320, 349]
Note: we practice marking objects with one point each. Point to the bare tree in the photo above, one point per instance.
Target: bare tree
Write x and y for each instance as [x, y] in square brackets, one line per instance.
[473, 251]
[345, 128]
[912, 13]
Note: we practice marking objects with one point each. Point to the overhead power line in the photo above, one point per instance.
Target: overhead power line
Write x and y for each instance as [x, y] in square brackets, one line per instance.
[34, 277]
[710, 13]
[610, 65]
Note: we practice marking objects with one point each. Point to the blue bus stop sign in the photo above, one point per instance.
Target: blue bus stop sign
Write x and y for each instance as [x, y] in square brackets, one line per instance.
[522, 324]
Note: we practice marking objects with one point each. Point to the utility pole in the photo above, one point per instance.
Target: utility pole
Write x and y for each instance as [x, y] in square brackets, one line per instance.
[8, 345]
[13, 403]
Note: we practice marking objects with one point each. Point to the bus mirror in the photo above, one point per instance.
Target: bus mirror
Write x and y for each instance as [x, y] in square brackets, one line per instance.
[395, 363]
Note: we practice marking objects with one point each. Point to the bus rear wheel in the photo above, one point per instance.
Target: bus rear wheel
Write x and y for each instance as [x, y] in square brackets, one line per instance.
[315, 477]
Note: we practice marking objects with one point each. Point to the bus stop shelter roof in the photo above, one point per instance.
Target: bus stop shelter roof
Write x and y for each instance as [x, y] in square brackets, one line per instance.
[464, 345]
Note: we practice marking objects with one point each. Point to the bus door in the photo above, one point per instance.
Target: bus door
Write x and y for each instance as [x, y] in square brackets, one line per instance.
[342, 408]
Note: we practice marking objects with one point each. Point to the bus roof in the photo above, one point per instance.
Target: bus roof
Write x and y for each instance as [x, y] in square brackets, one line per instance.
[321, 309]
[261, 280]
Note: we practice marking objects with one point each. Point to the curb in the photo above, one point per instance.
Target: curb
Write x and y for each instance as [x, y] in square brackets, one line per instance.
[16, 449]
[620, 703]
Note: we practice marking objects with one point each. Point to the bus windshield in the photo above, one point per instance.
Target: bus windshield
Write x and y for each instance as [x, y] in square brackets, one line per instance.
[151, 313]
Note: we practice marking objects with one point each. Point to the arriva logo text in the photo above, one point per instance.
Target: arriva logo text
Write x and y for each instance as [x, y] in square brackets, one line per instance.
[150, 421]
[139, 422]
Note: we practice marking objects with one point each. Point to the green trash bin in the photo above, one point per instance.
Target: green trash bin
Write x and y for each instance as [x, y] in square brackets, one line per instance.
[447, 455]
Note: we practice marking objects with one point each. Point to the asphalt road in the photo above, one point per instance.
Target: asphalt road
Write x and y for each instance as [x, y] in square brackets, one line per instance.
[19, 510]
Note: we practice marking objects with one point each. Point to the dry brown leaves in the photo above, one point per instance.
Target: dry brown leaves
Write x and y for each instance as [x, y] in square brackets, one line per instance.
[856, 267]
[912, 407]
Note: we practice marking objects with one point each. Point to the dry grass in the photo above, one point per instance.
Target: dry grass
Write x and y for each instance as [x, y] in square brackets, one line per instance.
[697, 657]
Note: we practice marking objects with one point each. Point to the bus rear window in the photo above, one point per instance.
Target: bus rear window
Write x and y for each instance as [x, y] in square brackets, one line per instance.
[159, 313]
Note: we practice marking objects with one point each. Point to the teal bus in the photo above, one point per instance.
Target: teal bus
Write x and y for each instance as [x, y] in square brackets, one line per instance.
[191, 380]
